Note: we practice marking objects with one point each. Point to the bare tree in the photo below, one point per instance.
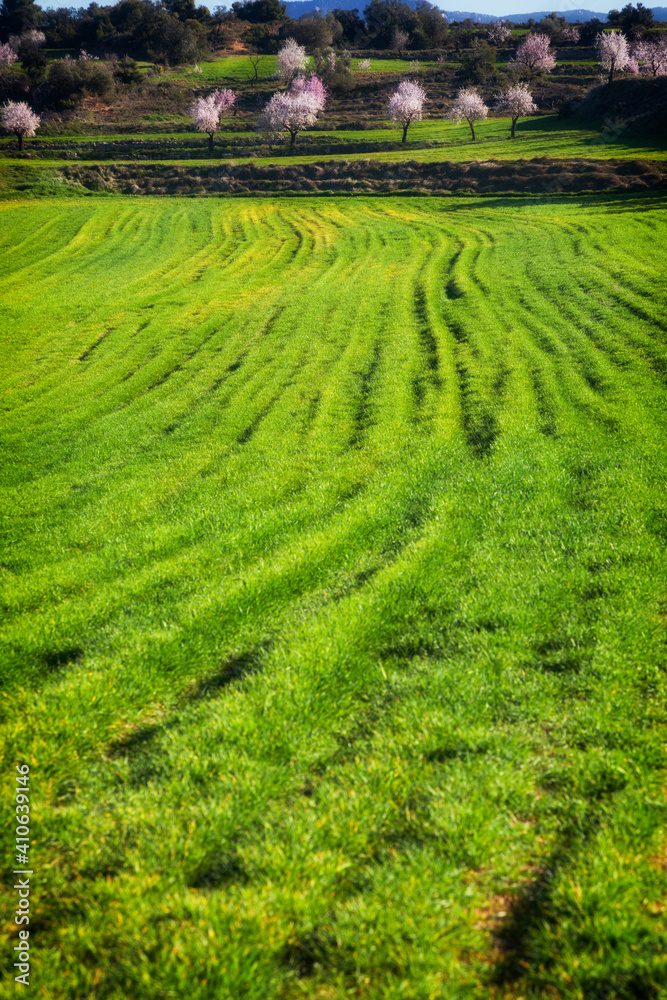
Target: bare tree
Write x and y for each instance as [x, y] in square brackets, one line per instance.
[255, 60]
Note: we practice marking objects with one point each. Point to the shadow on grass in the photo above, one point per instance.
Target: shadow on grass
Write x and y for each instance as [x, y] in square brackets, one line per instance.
[236, 668]
[145, 760]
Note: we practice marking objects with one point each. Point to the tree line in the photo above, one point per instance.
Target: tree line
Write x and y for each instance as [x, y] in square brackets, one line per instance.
[173, 32]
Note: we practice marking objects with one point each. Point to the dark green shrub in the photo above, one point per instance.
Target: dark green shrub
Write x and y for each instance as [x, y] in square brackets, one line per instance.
[71, 79]
[259, 37]
[176, 43]
[12, 84]
[127, 71]
[478, 64]
[33, 60]
[259, 11]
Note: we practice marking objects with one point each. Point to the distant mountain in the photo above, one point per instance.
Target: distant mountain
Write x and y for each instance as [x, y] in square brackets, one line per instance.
[659, 14]
[463, 15]
[297, 8]
[569, 15]
[537, 15]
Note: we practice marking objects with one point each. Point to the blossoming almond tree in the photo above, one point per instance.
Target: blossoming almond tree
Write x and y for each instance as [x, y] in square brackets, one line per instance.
[406, 105]
[309, 85]
[613, 52]
[469, 106]
[206, 112]
[499, 33]
[7, 55]
[292, 59]
[34, 37]
[652, 56]
[517, 101]
[225, 99]
[294, 110]
[290, 113]
[534, 55]
[399, 39]
[17, 117]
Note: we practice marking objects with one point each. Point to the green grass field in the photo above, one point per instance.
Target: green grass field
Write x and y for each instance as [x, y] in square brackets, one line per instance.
[240, 68]
[230, 68]
[394, 65]
[543, 135]
[334, 590]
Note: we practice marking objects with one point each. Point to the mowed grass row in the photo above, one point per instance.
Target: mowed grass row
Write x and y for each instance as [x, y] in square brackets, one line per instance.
[334, 587]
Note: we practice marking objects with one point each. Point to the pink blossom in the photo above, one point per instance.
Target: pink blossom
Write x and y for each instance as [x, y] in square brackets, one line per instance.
[7, 55]
[399, 38]
[17, 117]
[517, 101]
[469, 106]
[406, 105]
[34, 36]
[309, 85]
[571, 35]
[613, 51]
[652, 56]
[292, 59]
[225, 99]
[206, 112]
[535, 55]
[499, 33]
[288, 112]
